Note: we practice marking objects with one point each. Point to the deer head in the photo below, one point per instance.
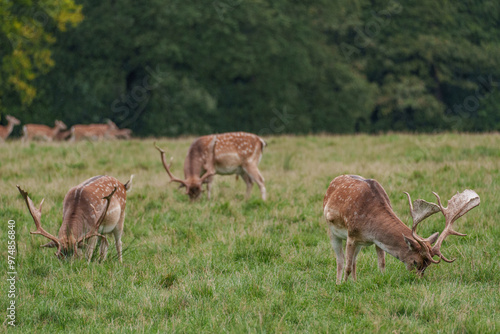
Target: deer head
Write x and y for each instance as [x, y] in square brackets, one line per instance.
[193, 182]
[60, 125]
[12, 120]
[5, 131]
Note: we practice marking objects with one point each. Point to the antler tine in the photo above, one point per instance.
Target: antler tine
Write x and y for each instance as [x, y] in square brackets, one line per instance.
[37, 215]
[458, 206]
[167, 167]
[207, 175]
[415, 221]
[423, 209]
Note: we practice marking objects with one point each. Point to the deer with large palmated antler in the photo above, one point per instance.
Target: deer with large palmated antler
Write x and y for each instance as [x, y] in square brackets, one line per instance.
[43, 132]
[359, 211]
[227, 153]
[93, 208]
[5, 131]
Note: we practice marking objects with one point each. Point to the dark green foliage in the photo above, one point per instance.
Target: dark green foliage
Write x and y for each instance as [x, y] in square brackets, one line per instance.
[167, 68]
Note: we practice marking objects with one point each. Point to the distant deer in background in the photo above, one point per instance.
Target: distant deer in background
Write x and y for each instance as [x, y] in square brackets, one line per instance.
[5, 131]
[93, 208]
[228, 153]
[43, 132]
[359, 211]
[93, 131]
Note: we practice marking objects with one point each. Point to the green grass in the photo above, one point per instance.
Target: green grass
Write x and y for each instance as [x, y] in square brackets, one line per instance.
[236, 265]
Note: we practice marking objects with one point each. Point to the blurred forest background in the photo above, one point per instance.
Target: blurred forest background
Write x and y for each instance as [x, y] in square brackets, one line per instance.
[174, 67]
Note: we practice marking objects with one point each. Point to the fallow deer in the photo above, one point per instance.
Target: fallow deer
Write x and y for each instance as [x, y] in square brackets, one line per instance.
[359, 211]
[227, 153]
[92, 131]
[43, 132]
[5, 131]
[91, 209]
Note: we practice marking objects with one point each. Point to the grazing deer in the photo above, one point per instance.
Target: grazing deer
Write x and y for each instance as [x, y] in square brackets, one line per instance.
[228, 153]
[5, 131]
[43, 132]
[92, 131]
[358, 210]
[90, 210]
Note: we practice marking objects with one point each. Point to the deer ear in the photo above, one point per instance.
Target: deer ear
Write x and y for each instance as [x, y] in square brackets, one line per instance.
[412, 244]
[432, 239]
[51, 244]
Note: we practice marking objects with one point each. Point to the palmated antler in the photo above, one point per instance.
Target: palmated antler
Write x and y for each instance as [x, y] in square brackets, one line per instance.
[420, 210]
[95, 230]
[458, 206]
[167, 167]
[37, 215]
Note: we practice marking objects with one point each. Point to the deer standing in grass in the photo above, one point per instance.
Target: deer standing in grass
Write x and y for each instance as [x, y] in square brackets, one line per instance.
[358, 210]
[43, 132]
[228, 153]
[93, 208]
[5, 131]
[93, 131]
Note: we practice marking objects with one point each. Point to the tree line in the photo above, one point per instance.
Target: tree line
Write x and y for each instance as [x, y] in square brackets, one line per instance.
[168, 68]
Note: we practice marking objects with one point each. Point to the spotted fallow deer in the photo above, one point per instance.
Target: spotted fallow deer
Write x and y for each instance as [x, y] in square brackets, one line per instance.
[358, 210]
[93, 131]
[91, 209]
[227, 153]
[43, 132]
[5, 131]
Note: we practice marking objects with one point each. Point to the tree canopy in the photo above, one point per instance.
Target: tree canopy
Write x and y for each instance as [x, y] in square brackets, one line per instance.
[168, 68]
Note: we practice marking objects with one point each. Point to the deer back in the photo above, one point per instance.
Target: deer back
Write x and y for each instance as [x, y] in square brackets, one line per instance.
[230, 152]
[237, 149]
[84, 204]
[360, 209]
[91, 131]
[37, 130]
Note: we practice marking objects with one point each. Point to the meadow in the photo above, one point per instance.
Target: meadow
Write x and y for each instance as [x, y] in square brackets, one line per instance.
[234, 265]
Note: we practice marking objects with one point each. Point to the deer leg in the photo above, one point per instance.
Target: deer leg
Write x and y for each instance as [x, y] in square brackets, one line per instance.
[381, 258]
[208, 181]
[117, 232]
[103, 249]
[254, 173]
[356, 252]
[90, 248]
[339, 253]
[249, 183]
[350, 250]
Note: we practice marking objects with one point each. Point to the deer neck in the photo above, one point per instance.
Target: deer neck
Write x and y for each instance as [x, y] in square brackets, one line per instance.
[391, 239]
[10, 127]
[193, 165]
[76, 223]
[55, 131]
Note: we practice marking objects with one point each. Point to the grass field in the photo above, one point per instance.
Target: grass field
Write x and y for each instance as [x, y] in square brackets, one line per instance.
[236, 265]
